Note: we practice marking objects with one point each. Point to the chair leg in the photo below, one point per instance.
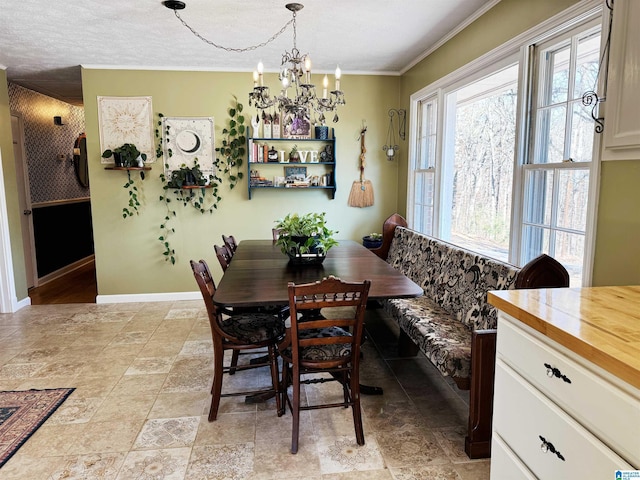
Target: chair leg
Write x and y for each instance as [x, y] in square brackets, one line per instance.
[234, 362]
[216, 389]
[284, 387]
[357, 411]
[275, 381]
[295, 410]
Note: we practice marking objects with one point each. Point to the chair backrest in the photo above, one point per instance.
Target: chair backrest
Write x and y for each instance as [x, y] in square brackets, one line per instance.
[388, 228]
[224, 256]
[207, 287]
[230, 243]
[307, 299]
[543, 272]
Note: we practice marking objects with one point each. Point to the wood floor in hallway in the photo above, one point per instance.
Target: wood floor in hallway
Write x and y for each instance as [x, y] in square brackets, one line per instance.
[78, 286]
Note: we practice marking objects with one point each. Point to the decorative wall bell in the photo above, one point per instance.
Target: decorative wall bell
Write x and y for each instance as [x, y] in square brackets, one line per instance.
[391, 147]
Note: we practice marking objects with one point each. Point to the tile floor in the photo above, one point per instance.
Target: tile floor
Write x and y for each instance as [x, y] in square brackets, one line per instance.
[142, 375]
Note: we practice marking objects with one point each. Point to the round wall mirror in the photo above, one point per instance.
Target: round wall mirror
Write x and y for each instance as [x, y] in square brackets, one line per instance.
[80, 160]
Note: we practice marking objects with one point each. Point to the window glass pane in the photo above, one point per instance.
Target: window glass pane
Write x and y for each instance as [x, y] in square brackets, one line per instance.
[550, 135]
[573, 196]
[569, 251]
[482, 175]
[558, 63]
[587, 64]
[423, 209]
[427, 150]
[582, 128]
[538, 196]
[535, 241]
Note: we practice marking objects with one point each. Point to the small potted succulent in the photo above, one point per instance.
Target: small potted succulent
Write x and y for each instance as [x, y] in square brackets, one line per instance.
[373, 240]
[294, 155]
[305, 238]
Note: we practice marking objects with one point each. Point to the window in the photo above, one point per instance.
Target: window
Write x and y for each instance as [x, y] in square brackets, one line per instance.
[556, 180]
[502, 154]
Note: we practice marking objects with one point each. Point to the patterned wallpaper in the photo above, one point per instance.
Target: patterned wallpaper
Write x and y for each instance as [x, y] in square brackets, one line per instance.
[49, 178]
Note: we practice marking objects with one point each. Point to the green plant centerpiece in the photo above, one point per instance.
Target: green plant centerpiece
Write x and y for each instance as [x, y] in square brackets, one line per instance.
[128, 156]
[306, 239]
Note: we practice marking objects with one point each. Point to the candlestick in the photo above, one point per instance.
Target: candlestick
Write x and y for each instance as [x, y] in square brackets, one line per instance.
[325, 84]
[260, 71]
[338, 74]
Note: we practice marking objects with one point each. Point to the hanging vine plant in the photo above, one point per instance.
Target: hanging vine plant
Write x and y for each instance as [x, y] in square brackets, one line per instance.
[233, 148]
[187, 185]
[126, 157]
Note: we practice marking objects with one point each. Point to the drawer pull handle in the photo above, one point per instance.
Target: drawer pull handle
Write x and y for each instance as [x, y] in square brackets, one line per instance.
[554, 372]
[548, 447]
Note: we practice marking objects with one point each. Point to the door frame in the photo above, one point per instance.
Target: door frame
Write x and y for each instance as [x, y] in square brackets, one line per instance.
[24, 198]
[8, 299]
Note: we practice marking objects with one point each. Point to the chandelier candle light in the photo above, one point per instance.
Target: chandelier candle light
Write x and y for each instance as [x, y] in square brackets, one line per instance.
[295, 76]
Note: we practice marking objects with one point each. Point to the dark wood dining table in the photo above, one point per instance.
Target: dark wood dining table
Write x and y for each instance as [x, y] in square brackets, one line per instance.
[259, 274]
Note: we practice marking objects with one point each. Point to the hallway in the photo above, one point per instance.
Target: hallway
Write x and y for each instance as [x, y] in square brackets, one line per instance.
[78, 286]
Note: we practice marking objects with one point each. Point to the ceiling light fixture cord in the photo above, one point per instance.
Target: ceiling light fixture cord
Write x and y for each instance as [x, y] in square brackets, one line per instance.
[231, 49]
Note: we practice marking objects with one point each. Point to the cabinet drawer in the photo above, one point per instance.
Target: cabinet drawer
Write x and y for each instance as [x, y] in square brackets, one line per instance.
[602, 407]
[504, 464]
[527, 420]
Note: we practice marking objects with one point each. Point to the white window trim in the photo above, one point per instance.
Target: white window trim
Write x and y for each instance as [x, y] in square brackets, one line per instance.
[519, 45]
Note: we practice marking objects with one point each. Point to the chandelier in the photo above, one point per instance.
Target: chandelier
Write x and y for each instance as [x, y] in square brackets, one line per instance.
[298, 95]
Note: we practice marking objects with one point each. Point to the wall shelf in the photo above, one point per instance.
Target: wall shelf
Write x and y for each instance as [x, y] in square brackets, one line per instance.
[262, 173]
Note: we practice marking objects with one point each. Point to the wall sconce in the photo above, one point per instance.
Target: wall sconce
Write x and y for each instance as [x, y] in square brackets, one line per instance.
[391, 147]
[57, 121]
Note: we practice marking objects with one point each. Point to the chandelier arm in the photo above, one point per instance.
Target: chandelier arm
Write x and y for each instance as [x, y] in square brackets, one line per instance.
[231, 49]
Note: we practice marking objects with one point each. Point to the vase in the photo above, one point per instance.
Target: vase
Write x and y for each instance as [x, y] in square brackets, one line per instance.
[322, 132]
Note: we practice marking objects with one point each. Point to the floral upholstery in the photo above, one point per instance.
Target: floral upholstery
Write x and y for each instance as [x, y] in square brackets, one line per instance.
[322, 352]
[455, 283]
[253, 327]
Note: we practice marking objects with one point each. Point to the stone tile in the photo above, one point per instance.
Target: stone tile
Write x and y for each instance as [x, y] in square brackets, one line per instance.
[221, 462]
[117, 407]
[227, 428]
[343, 454]
[139, 384]
[187, 404]
[476, 470]
[50, 440]
[438, 472]
[273, 459]
[161, 433]
[107, 437]
[76, 410]
[383, 474]
[94, 466]
[407, 448]
[189, 374]
[147, 365]
[168, 464]
[179, 313]
[197, 347]
[21, 467]
[16, 371]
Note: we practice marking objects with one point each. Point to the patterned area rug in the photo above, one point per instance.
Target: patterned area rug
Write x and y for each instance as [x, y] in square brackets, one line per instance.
[21, 413]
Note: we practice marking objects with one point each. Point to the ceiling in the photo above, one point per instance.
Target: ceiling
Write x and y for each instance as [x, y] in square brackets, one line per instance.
[44, 42]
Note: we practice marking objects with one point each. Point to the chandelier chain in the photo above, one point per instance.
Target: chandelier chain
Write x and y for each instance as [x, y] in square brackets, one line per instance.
[245, 49]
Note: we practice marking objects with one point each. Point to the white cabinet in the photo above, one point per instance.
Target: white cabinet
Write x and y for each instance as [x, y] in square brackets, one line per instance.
[558, 416]
[622, 105]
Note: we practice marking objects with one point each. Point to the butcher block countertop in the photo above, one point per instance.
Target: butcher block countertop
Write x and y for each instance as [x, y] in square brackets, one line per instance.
[601, 324]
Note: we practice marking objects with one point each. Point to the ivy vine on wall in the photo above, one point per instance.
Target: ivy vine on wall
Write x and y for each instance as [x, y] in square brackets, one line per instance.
[188, 185]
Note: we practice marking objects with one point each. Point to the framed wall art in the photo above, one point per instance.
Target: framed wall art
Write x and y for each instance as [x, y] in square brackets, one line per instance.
[126, 120]
[186, 140]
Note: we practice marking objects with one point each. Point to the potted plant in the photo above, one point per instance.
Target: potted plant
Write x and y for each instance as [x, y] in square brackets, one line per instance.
[294, 155]
[373, 240]
[187, 177]
[126, 155]
[305, 238]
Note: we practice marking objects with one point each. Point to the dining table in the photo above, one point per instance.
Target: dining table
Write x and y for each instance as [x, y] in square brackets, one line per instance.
[259, 275]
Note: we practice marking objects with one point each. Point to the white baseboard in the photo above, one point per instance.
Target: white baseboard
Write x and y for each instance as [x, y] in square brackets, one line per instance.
[149, 297]
[17, 305]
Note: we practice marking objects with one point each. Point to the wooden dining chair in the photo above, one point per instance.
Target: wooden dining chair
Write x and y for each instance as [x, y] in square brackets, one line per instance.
[224, 256]
[243, 334]
[315, 344]
[230, 243]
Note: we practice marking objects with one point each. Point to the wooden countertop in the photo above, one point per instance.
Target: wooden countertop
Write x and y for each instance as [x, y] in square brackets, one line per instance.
[601, 324]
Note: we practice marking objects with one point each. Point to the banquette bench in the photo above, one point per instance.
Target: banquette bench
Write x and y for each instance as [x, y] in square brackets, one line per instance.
[452, 323]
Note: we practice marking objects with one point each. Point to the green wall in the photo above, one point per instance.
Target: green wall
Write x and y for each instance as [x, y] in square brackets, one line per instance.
[617, 257]
[11, 190]
[128, 255]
